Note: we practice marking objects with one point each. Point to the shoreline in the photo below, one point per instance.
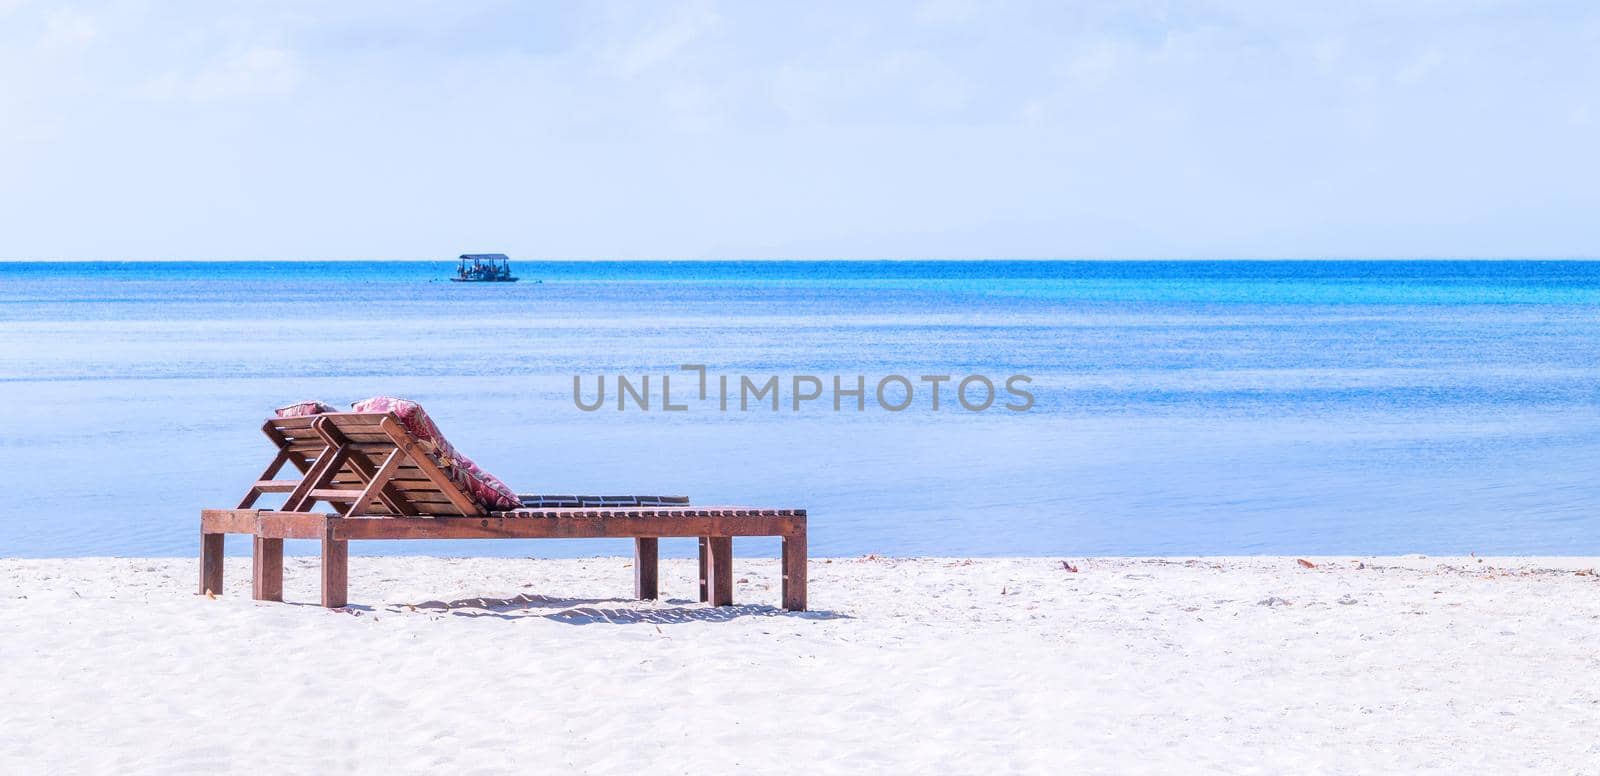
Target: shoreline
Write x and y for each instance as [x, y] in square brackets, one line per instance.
[1129, 664]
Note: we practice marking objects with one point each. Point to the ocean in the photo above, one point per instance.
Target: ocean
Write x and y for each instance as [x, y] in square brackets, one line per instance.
[1177, 408]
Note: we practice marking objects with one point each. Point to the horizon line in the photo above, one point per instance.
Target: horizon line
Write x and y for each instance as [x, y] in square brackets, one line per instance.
[663, 260]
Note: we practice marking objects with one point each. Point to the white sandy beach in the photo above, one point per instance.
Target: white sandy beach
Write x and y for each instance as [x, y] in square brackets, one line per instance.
[1253, 665]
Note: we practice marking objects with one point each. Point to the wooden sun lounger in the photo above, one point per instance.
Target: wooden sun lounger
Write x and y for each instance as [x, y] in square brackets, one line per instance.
[369, 469]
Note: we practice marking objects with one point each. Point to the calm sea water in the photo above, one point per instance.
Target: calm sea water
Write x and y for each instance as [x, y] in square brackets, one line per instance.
[1181, 408]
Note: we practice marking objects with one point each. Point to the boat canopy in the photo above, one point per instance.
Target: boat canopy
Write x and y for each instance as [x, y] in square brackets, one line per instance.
[493, 267]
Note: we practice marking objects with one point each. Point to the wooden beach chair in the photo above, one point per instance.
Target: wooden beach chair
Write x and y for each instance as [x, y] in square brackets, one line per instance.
[383, 482]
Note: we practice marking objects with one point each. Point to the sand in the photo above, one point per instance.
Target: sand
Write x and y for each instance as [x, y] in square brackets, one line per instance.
[1250, 665]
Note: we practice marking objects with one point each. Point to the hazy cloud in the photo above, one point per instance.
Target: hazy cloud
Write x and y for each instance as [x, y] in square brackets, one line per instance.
[252, 73]
[651, 38]
[68, 28]
[943, 128]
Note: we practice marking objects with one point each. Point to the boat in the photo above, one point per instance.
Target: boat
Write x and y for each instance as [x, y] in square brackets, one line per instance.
[484, 268]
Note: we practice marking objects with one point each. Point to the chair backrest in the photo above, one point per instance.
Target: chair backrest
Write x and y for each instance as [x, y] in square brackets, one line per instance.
[361, 464]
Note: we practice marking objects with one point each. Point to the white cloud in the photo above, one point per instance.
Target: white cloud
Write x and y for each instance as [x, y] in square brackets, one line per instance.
[68, 29]
[1420, 67]
[257, 72]
[1095, 63]
[948, 12]
[1095, 128]
[662, 39]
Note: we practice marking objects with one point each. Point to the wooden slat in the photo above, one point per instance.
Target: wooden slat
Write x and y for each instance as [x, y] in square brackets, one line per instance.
[360, 429]
[312, 444]
[562, 513]
[291, 525]
[414, 480]
[431, 504]
[310, 447]
[429, 496]
[227, 521]
[276, 486]
[335, 494]
[344, 420]
[363, 434]
[290, 425]
[577, 527]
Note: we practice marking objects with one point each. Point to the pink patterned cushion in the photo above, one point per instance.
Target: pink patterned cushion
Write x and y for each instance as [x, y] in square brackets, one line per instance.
[485, 488]
[305, 408]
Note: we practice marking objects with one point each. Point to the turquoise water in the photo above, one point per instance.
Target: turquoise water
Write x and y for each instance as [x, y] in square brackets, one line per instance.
[1180, 407]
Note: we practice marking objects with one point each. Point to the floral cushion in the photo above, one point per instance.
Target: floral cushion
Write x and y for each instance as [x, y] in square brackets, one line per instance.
[485, 488]
[305, 408]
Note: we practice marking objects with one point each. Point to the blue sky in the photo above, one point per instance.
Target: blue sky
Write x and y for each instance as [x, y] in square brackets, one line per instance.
[939, 129]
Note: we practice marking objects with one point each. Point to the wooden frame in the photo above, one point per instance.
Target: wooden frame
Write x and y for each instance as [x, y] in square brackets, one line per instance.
[375, 476]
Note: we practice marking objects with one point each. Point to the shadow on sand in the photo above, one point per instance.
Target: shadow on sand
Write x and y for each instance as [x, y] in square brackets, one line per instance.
[611, 611]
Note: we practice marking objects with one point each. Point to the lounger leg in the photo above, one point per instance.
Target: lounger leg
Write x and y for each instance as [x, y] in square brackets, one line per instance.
[794, 573]
[721, 570]
[266, 569]
[645, 568]
[335, 572]
[211, 563]
[705, 583]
